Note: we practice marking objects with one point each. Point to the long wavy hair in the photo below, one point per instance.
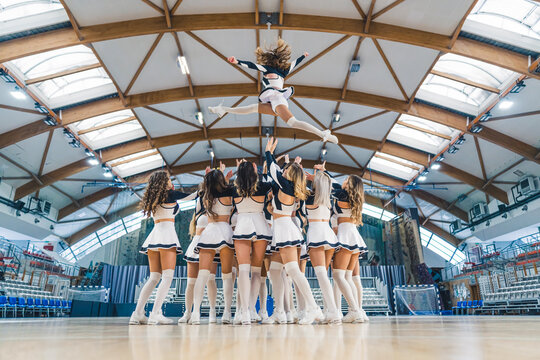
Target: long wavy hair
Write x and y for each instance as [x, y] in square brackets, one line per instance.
[355, 190]
[156, 192]
[277, 57]
[193, 225]
[322, 185]
[247, 180]
[295, 173]
[213, 184]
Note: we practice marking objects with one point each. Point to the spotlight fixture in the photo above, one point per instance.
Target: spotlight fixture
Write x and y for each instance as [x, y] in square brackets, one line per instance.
[18, 93]
[476, 129]
[506, 104]
[51, 227]
[436, 165]
[117, 179]
[199, 117]
[460, 140]
[6, 77]
[422, 178]
[211, 153]
[336, 117]
[440, 158]
[42, 109]
[88, 152]
[18, 213]
[93, 161]
[520, 85]
[49, 120]
[182, 64]
[106, 171]
[472, 228]
[453, 149]
[68, 134]
[324, 151]
[485, 117]
[505, 216]
[75, 143]
[525, 207]
[488, 223]
[36, 221]
[462, 197]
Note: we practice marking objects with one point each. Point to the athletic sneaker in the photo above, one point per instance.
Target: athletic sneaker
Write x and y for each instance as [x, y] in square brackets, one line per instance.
[268, 320]
[327, 136]
[158, 319]
[184, 319]
[245, 318]
[289, 318]
[237, 319]
[254, 316]
[309, 316]
[195, 318]
[332, 318]
[226, 317]
[352, 317]
[262, 315]
[364, 315]
[138, 319]
[280, 317]
[217, 110]
[212, 319]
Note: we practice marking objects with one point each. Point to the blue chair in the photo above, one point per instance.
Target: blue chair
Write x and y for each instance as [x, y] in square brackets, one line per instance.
[37, 305]
[455, 309]
[21, 304]
[480, 303]
[30, 305]
[45, 305]
[475, 304]
[3, 305]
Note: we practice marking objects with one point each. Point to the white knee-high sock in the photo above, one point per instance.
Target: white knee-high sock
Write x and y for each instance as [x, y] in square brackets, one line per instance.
[326, 288]
[277, 285]
[360, 290]
[249, 109]
[146, 291]
[163, 289]
[288, 303]
[189, 294]
[227, 291]
[337, 295]
[198, 291]
[244, 285]
[348, 277]
[339, 277]
[302, 284]
[211, 288]
[263, 294]
[302, 125]
[255, 286]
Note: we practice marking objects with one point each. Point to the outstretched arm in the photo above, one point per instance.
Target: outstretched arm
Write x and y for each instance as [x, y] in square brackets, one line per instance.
[296, 62]
[247, 64]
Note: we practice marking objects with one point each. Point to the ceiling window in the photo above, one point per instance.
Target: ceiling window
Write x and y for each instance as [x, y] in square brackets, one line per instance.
[394, 166]
[109, 129]
[21, 15]
[137, 163]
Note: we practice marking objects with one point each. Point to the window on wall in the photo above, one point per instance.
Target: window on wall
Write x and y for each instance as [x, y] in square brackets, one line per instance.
[441, 247]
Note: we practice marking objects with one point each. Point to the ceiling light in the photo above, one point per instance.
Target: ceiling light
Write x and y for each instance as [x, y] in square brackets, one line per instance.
[440, 158]
[422, 178]
[436, 165]
[485, 117]
[68, 134]
[50, 121]
[18, 93]
[199, 117]
[525, 208]
[6, 77]
[520, 85]
[453, 150]
[182, 64]
[93, 161]
[88, 152]
[324, 151]
[505, 216]
[460, 141]
[505, 104]
[211, 153]
[108, 174]
[476, 129]
[355, 66]
[75, 143]
[336, 117]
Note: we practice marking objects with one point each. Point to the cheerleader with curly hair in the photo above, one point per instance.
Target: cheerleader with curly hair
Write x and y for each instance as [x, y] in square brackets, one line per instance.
[275, 65]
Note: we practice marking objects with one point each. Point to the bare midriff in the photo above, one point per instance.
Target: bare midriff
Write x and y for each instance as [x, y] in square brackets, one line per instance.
[219, 218]
[320, 220]
[341, 220]
[162, 220]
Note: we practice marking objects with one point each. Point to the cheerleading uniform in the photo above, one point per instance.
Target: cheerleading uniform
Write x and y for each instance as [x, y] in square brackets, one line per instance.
[163, 235]
[348, 236]
[251, 222]
[319, 231]
[201, 221]
[273, 91]
[284, 231]
[218, 235]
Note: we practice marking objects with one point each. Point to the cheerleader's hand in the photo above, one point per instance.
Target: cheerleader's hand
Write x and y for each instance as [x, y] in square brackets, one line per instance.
[278, 159]
[207, 170]
[271, 145]
[229, 175]
[287, 158]
[320, 166]
[298, 159]
[309, 177]
[222, 167]
[238, 162]
[306, 54]
[233, 60]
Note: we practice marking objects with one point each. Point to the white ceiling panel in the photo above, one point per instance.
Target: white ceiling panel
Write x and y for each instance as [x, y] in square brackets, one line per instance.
[343, 8]
[106, 11]
[426, 15]
[374, 128]
[122, 57]
[230, 120]
[161, 125]
[171, 153]
[466, 158]
[61, 153]
[526, 128]
[24, 152]
[373, 76]
[496, 158]
[199, 152]
[15, 119]
[227, 151]
[336, 155]
[161, 71]
[218, 7]
[6, 98]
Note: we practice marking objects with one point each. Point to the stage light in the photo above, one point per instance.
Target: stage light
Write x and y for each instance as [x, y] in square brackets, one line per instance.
[108, 174]
[476, 129]
[211, 153]
[42, 109]
[75, 143]
[520, 85]
[199, 117]
[6, 77]
[323, 152]
[505, 216]
[422, 178]
[36, 221]
[505, 104]
[472, 228]
[485, 117]
[488, 223]
[18, 93]
[182, 64]
[460, 141]
[68, 135]
[49, 120]
[453, 150]
[440, 158]
[336, 117]
[93, 161]
[525, 208]
[436, 165]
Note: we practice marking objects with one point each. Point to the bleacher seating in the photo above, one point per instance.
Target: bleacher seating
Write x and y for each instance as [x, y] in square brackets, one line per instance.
[523, 294]
[22, 299]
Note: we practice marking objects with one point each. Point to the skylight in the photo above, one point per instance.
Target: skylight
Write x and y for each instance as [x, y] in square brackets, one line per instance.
[137, 163]
[394, 166]
[109, 129]
[21, 15]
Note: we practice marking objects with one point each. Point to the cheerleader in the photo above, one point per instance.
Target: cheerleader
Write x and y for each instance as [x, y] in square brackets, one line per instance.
[275, 66]
[360, 290]
[321, 240]
[251, 234]
[161, 246]
[348, 209]
[289, 186]
[216, 238]
[197, 225]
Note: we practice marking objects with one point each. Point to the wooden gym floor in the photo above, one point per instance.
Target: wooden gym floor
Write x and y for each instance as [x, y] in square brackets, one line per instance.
[388, 338]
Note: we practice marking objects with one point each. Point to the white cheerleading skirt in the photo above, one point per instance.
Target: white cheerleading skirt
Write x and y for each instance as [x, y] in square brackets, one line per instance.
[349, 238]
[162, 236]
[303, 251]
[252, 226]
[215, 236]
[276, 97]
[190, 255]
[321, 234]
[285, 233]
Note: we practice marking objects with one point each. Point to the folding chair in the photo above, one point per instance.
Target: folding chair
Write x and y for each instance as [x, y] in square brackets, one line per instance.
[21, 303]
[3, 305]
